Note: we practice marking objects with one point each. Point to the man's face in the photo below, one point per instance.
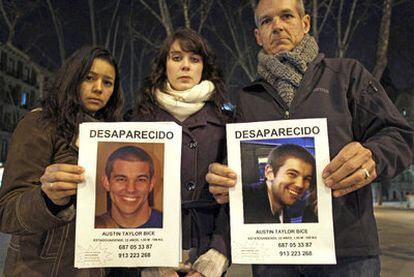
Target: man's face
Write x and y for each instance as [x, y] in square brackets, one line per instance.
[280, 27]
[129, 186]
[290, 182]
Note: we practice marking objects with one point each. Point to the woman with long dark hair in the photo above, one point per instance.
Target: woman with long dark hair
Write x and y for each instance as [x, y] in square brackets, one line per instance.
[41, 176]
[186, 86]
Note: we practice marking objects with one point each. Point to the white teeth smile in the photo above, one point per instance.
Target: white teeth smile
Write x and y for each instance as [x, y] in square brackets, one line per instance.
[129, 199]
[294, 193]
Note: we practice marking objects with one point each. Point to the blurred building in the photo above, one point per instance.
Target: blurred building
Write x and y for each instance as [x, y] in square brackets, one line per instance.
[405, 104]
[22, 84]
[402, 185]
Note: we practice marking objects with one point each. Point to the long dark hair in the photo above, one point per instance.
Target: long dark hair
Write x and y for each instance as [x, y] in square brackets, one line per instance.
[62, 105]
[189, 41]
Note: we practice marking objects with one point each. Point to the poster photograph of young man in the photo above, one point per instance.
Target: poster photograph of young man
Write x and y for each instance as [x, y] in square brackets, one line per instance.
[123, 217]
[279, 181]
[128, 181]
[280, 209]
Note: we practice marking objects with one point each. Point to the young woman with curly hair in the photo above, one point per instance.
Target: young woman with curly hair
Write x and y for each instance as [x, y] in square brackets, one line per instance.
[41, 176]
[186, 86]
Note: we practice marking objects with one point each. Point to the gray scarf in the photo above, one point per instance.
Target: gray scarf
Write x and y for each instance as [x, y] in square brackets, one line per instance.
[284, 71]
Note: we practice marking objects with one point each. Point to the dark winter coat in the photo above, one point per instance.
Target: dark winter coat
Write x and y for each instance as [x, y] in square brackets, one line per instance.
[205, 223]
[42, 243]
[357, 109]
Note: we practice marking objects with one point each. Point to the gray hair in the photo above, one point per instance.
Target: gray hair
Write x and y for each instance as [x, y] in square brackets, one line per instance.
[300, 7]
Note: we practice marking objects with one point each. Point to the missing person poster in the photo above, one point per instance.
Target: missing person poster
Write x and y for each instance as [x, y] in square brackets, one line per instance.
[280, 209]
[128, 205]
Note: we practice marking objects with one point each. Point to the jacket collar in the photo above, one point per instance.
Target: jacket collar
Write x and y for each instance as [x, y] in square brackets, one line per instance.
[259, 82]
[306, 85]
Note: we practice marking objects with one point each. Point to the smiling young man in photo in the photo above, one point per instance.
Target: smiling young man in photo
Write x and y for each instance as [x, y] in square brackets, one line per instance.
[289, 174]
[129, 180]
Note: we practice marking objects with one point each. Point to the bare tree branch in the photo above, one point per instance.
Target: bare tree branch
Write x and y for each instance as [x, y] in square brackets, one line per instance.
[383, 38]
[165, 16]
[122, 51]
[5, 17]
[326, 15]
[320, 10]
[339, 29]
[92, 21]
[347, 22]
[156, 15]
[399, 2]
[239, 49]
[144, 38]
[231, 27]
[186, 7]
[349, 25]
[11, 23]
[114, 40]
[205, 10]
[45, 55]
[140, 63]
[59, 32]
[114, 13]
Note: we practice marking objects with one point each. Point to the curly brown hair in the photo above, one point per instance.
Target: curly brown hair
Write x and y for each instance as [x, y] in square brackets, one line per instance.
[62, 105]
[189, 41]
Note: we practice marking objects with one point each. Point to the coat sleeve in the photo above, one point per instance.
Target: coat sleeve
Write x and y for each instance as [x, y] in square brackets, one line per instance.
[221, 235]
[379, 126]
[23, 208]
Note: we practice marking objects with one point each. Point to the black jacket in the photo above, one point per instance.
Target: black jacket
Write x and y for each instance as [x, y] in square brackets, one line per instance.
[205, 224]
[357, 109]
[256, 206]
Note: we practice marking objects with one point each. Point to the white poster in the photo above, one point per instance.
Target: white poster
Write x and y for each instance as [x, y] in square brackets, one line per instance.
[128, 209]
[280, 209]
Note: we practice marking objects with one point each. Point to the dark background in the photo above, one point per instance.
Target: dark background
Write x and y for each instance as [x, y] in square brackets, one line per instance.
[132, 29]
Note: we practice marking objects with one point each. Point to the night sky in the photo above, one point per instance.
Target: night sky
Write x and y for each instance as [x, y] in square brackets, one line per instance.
[35, 34]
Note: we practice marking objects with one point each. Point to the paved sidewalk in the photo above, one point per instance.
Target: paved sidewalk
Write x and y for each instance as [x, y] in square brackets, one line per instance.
[396, 232]
[396, 205]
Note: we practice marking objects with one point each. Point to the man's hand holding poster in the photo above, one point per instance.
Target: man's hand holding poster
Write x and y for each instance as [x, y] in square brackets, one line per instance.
[123, 215]
[280, 210]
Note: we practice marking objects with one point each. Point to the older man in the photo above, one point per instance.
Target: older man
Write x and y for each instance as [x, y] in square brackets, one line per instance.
[367, 135]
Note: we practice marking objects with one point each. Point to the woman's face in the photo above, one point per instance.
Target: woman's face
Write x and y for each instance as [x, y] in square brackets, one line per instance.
[184, 69]
[98, 86]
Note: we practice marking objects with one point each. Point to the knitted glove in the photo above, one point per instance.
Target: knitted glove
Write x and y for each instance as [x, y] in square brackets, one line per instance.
[211, 264]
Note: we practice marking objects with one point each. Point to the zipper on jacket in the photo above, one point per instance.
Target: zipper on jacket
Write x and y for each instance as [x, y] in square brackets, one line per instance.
[373, 87]
[287, 115]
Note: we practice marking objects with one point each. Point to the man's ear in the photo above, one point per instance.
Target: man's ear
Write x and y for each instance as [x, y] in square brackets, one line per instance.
[153, 182]
[306, 22]
[269, 172]
[105, 182]
[258, 37]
